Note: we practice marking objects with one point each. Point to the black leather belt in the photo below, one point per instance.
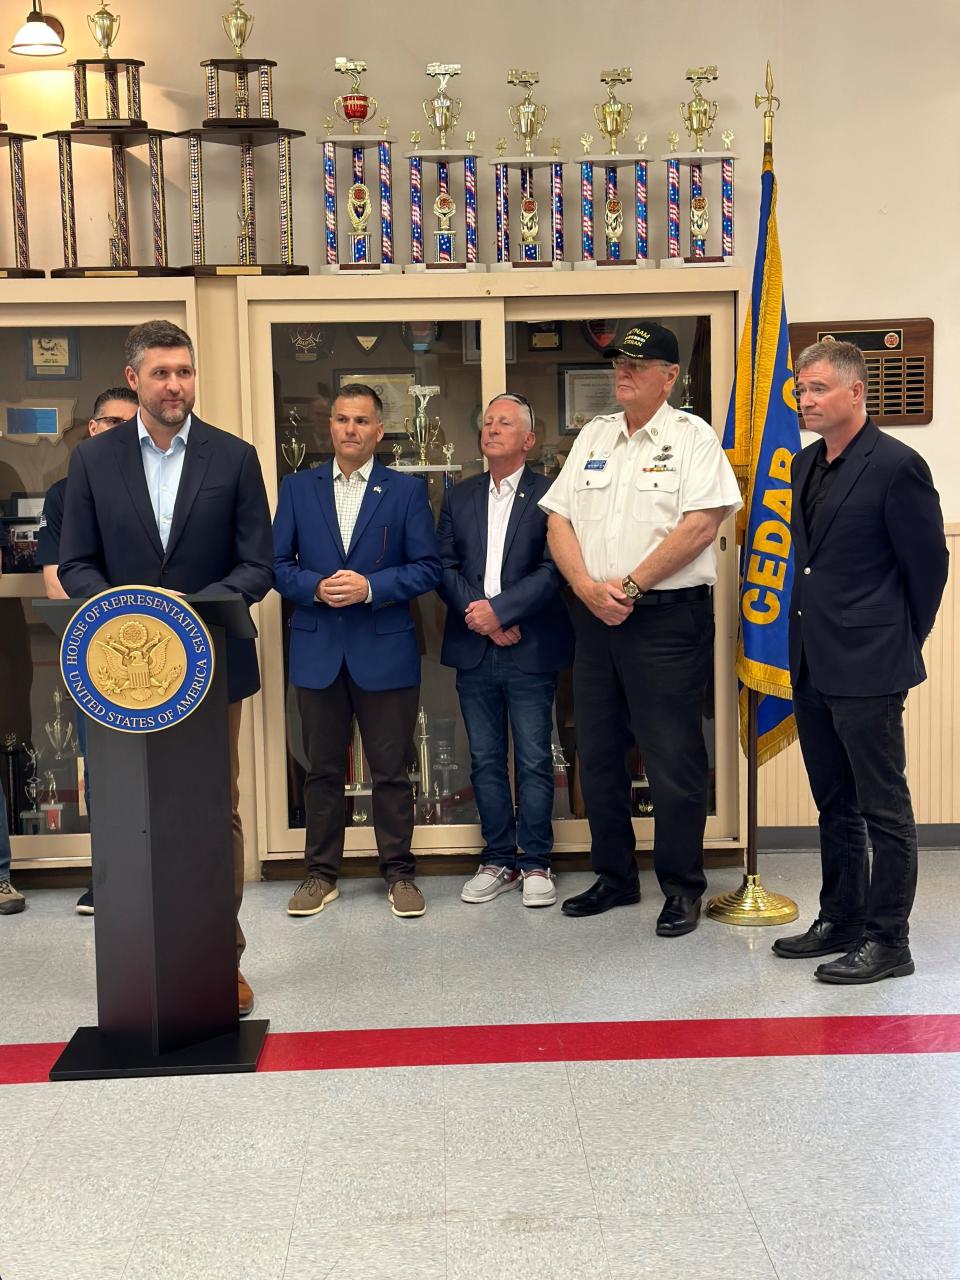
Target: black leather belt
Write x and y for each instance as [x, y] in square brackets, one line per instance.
[681, 595]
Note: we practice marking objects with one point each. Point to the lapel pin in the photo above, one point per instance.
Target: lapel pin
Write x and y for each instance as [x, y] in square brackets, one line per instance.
[521, 494]
[377, 489]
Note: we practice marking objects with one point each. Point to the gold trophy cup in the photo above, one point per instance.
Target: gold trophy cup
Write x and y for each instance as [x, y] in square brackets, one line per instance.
[237, 25]
[698, 114]
[104, 27]
[442, 112]
[613, 117]
[527, 117]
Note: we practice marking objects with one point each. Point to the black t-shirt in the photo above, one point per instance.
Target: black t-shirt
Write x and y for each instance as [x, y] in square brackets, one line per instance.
[51, 522]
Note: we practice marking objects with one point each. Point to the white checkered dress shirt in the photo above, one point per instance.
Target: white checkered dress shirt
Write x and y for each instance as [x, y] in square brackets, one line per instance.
[348, 494]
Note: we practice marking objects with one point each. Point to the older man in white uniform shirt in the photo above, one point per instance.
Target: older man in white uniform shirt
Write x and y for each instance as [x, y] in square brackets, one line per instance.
[634, 517]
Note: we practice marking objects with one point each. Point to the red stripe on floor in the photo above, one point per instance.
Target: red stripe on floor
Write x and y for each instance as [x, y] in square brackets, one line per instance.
[567, 1042]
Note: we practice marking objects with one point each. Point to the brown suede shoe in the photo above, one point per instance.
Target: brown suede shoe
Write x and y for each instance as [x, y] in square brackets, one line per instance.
[312, 896]
[406, 899]
[245, 994]
[10, 900]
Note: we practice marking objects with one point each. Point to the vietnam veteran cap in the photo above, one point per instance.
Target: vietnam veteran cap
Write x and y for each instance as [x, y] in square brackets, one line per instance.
[648, 342]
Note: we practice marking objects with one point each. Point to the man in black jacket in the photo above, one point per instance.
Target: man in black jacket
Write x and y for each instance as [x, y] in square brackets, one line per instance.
[167, 500]
[871, 566]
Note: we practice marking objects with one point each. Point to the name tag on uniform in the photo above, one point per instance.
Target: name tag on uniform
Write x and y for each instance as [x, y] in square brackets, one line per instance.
[595, 464]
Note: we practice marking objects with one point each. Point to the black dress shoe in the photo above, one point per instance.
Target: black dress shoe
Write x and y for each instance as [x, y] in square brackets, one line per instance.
[821, 939]
[868, 962]
[598, 898]
[679, 916]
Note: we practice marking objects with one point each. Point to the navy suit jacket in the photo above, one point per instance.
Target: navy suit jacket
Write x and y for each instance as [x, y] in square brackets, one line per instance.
[867, 585]
[219, 535]
[393, 545]
[530, 583]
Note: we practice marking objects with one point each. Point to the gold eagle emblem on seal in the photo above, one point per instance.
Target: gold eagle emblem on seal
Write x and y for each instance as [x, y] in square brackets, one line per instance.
[137, 661]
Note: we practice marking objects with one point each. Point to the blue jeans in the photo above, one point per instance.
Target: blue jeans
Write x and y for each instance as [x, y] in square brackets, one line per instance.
[5, 853]
[491, 695]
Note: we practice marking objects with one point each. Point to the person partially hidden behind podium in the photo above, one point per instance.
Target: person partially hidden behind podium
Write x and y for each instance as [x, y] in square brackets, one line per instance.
[167, 500]
[111, 407]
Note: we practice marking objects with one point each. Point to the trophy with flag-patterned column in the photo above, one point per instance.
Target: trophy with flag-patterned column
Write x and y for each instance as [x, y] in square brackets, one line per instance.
[442, 115]
[528, 118]
[620, 249]
[21, 239]
[356, 109]
[699, 116]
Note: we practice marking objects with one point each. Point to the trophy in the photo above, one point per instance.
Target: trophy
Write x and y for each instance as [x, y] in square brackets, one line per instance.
[442, 115]
[52, 808]
[59, 730]
[358, 773]
[355, 109]
[686, 394]
[121, 132]
[422, 431]
[699, 116]
[293, 448]
[237, 25]
[613, 118]
[422, 740]
[31, 821]
[397, 450]
[528, 119]
[246, 131]
[21, 240]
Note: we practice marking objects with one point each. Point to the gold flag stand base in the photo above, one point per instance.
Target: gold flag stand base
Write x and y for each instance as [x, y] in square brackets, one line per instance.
[752, 904]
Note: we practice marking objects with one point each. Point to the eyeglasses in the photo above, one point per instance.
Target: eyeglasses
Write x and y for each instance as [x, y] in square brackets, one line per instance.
[638, 363]
[111, 422]
[517, 398]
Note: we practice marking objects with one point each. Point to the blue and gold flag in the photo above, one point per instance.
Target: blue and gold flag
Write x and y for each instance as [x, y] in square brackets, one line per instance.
[761, 436]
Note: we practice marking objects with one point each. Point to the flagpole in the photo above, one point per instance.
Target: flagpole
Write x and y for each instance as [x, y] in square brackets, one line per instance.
[752, 904]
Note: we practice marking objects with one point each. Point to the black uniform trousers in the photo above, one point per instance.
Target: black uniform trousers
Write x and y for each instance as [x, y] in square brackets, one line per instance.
[386, 719]
[645, 680]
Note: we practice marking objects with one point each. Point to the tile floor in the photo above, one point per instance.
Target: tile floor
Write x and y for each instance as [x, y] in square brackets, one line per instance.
[799, 1168]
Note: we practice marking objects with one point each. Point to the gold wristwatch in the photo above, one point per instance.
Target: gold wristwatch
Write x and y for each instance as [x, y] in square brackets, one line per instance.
[630, 588]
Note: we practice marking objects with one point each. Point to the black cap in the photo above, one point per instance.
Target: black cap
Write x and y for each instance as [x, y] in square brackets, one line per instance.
[648, 342]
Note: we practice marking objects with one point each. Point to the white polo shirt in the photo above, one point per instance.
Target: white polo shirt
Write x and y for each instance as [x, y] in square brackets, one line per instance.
[623, 494]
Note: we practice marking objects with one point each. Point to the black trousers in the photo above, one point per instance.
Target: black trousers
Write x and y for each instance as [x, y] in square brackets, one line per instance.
[855, 757]
[645, 680]
[386, 719]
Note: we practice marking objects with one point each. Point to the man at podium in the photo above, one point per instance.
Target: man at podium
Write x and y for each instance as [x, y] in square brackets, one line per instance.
[167, 500]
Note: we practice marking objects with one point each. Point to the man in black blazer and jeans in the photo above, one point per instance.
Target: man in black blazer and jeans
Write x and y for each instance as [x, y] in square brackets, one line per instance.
[871, 566]
[166, 500]
[507, 633]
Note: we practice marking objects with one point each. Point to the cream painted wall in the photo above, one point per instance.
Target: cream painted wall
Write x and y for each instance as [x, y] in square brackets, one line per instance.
[869, 93]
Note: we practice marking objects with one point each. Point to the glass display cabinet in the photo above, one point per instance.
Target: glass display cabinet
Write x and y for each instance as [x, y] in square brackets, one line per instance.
[546, 340]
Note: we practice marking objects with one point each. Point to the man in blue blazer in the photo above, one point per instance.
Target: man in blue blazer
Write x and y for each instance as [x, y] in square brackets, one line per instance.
[167, 500]
[871, 565]
[508, 634]
[355, 543]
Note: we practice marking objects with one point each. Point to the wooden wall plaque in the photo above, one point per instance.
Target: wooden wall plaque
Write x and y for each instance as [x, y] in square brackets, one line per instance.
[899, 356]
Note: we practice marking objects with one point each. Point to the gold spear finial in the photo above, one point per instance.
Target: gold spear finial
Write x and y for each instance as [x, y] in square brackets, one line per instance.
[769, 99]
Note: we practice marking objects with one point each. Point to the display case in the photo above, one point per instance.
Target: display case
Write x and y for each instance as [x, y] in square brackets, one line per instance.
[61, 344]
[470, 339]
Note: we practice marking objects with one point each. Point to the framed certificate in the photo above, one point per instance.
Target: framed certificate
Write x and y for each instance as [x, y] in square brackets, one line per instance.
[53, 353]
[584, 391]
[393, 388]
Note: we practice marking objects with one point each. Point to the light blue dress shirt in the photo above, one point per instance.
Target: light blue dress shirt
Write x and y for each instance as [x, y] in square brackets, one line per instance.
[163, 472]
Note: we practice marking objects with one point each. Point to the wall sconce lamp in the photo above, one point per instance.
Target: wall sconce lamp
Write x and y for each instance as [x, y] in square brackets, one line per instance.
[41, 36]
